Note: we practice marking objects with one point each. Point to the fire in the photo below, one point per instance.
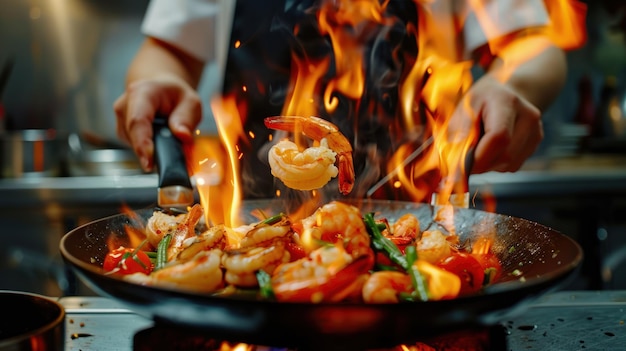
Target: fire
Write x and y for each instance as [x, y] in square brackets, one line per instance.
[135, 235]
[435, 122]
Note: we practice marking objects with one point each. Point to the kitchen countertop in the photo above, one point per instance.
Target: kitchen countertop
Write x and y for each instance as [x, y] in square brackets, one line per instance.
[565, 320]
[577, 175]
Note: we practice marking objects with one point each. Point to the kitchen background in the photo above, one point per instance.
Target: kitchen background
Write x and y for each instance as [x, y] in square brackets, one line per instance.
[62, 65]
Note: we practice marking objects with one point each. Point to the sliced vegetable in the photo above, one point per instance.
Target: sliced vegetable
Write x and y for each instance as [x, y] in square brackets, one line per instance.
[419, 283]
[467, 268]
[491, 265]
[396, 256]
[161, 259]
[265, 284]
[381, 243]
[127, 261]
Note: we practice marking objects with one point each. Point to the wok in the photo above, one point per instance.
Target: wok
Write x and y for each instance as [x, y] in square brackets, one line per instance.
[535, 259]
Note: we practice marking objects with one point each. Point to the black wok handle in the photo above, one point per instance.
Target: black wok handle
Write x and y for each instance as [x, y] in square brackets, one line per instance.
[170, 163]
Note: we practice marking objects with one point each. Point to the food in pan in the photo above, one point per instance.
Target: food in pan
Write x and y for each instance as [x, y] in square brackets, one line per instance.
[313, 167]
[336, 254]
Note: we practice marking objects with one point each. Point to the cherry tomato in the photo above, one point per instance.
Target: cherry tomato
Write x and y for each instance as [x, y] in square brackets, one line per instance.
[127, 261]
[466, 267]
[491, 265]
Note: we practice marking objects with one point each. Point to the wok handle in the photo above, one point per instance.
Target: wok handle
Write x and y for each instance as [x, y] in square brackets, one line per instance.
[171, 167]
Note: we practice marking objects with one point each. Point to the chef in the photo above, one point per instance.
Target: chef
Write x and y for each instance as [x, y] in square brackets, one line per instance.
[183, 36]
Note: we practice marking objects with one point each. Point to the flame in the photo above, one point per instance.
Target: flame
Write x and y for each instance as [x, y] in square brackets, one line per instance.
[215, 166]
[434, 94]
[431, 94]
[135, 233]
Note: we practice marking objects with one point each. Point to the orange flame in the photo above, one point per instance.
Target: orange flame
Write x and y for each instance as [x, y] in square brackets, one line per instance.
[215, 165]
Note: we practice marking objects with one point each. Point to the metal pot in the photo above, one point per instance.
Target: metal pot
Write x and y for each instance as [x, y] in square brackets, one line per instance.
[37, 322]
[30, 153]
[89, 156]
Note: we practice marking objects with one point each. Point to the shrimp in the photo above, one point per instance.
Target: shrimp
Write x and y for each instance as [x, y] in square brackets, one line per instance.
[181, 227]
[384, 287]
[242, 264]
[212, 238]
[433, 246]
[261, 248]
[288, 163]
[328, 274]
[336, 222]
[338, 258]
[202, 273]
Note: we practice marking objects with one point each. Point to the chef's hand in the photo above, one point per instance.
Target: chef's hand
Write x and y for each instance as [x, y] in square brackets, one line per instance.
[161, 81]
[143, 100]
[512, 126]
[521, 82]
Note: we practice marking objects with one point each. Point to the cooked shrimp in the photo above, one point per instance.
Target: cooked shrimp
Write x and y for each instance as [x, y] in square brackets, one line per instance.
[303, 170]
[202, 273]
[336, 222]
[329, 272]
[242, 264]
[384, 287]
[433, 246]
[406, 226]
[181, 227]
[290, 163]
[212, 238]
[263, 232]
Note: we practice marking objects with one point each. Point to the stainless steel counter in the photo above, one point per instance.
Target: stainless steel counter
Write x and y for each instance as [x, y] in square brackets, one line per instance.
[566, 320]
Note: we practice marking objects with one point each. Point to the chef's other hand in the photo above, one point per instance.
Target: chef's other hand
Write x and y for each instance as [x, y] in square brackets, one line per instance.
[509, 99]
[143, 100]
[512, 127]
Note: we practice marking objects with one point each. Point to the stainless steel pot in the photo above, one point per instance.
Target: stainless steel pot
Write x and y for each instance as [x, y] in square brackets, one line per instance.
[36, 323]
[88, 155]
[30, 153]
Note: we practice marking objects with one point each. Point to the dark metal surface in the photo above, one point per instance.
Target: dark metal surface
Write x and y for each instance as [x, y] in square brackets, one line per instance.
[30, 322]
[541, 257]
[564, 320]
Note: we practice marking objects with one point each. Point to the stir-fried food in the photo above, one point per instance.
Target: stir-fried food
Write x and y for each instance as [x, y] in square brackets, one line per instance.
[312, 167]
[336, 254]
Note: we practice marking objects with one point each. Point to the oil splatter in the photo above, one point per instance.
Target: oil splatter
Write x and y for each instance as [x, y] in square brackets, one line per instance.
[80, 335]
[527, 327]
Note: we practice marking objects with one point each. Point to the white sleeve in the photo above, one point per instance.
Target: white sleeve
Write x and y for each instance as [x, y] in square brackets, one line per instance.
[190, 25]
[501, 17]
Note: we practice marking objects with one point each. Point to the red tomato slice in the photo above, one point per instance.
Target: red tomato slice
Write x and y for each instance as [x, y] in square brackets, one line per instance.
[466, 267]
[127, 261]
[491, 265]
[296, 251]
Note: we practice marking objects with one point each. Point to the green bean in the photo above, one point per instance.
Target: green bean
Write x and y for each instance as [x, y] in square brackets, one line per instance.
[384, 244]
[273, 219]
[416, 277]
[265, 284]
[162, 251]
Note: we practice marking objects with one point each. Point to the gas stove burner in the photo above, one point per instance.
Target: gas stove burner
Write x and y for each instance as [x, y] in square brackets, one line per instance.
[167, 337]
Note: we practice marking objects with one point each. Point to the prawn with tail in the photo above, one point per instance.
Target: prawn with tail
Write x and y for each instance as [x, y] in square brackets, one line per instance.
[338, 264]
[261, 248]
[311, 168]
